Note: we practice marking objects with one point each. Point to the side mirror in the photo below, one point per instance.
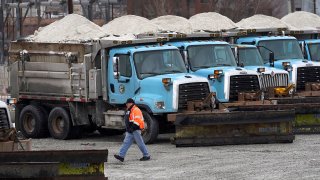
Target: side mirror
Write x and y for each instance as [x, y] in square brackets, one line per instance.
[271, 59]
[115, 62]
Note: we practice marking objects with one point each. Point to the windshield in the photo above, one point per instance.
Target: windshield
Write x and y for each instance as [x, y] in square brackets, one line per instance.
[314, 51]
[249, 57]
[152, 63]
[283, 49]
[207, 56]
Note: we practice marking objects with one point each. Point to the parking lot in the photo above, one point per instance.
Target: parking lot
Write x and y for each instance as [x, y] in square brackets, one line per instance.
[299, 160]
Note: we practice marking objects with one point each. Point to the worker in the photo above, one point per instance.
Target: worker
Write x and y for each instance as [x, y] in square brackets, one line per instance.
[134, 126]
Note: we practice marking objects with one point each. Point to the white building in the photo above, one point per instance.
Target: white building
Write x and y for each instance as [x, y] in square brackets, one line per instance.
[307, 5]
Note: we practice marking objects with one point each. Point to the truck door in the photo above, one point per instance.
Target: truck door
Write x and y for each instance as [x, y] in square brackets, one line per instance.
[121, 84]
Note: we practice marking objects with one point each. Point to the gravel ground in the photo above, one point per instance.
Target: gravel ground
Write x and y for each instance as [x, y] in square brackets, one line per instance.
[298, 160]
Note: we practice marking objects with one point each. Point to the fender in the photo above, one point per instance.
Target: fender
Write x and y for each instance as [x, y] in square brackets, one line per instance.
[81, 118]
[147, 108]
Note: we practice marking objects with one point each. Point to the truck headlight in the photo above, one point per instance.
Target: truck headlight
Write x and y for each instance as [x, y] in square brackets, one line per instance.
[287, 66]
[166, 81]
[160, 105]
[216, 75]
[260, 70]
[11, 101]
[211, 76]
[218, 72]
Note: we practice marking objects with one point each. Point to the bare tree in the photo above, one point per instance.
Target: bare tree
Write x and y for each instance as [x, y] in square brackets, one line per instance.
[234, 9]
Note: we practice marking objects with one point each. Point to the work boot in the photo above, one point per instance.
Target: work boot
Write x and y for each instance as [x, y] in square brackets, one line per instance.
[119, 157]
[145, 158]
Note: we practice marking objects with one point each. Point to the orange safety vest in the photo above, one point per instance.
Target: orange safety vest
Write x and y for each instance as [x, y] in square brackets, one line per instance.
[136, 117]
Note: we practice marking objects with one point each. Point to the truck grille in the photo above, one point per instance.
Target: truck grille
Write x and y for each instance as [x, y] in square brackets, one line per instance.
[307, 74]
[278, 80]
[4, 120]
[191, 92]
[243, 83]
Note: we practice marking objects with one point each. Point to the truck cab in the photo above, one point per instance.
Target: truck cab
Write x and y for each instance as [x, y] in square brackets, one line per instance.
[248, 56]
[287, 55]
[214, 60]
[156, 78]
[310, 49]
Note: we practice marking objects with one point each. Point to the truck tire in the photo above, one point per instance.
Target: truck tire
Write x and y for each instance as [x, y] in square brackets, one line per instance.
[33, 122]
[59, 124]
[110, 132]
[152, 128]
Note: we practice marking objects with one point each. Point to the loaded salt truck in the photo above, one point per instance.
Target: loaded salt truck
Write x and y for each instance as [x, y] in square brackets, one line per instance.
[63, 88]
[306, 31]
[214, 59]
[233, 86]
[283, 52]
[274, 81]
[309, 43]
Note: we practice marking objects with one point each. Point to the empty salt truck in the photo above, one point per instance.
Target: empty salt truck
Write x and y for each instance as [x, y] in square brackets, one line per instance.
[283, 52]
[64, 88]
[232, 85]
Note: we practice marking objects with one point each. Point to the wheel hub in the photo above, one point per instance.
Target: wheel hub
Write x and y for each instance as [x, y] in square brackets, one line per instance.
[29, 123]
[58, 125]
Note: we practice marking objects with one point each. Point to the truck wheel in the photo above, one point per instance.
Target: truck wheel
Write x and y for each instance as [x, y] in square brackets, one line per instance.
[152, 128]
[110, 132]
[59, 123]
[33, 122]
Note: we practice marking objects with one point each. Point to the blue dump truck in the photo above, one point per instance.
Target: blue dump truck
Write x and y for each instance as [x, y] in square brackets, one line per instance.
[274, 81]
[65, 89]
[214, 59]
[310, 49]
[283, 52]
[70, 88]
[309, 43]
[233, 86]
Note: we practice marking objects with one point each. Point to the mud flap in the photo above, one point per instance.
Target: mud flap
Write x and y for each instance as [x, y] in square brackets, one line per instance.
[239, 127]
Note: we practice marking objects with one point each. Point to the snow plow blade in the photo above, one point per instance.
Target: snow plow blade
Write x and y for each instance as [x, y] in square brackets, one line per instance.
[232, 128]
[307, 113]
[54, 164]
